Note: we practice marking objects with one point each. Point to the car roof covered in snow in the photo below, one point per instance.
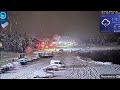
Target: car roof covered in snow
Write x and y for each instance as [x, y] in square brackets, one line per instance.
[55, 61]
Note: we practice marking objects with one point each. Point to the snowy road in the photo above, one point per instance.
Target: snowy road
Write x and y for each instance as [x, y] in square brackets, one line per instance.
[25, 72]
[76, 68]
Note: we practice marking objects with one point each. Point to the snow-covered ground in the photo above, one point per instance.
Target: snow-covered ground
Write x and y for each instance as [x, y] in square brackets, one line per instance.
[89, 48]
[76, 68]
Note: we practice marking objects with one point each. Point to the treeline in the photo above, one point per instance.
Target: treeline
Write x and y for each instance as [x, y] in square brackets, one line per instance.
[104, 39]
[16, 42]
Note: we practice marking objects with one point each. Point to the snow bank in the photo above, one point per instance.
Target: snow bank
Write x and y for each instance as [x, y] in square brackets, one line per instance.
[95, 62]
[80, 59]
[102, 63]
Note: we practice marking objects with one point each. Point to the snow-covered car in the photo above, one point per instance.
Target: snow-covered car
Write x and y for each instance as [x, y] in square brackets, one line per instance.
[10, 66]
[43, 74]
[46, 54]
[22, 61]
[51, 68]
[36, 56]
[28, 60]
[5, 67]
[57, 63]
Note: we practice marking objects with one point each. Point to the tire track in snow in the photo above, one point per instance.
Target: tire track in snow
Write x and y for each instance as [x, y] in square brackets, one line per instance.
[93, 73]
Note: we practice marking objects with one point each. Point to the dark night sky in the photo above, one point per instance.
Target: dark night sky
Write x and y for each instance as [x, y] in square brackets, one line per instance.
[78, 24]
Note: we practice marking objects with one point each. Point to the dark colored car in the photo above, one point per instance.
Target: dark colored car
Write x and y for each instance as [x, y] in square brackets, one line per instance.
[61, 50]
[2, 70]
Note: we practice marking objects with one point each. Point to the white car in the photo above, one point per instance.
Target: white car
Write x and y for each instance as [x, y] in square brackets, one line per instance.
[51, 68]
[34, 58]
[5, 67]
[22, 61]
[43, 74]
[10, 65]
[57, 63]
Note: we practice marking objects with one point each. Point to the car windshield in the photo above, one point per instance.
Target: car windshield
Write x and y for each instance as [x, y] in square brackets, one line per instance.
[60, 63]
[56, 62]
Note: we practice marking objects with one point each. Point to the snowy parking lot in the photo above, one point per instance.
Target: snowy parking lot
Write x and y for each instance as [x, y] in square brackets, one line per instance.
[76, 68]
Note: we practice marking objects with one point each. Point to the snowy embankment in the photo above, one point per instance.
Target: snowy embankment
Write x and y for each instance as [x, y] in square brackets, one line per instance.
[24, 72]
[95, 62]
[95, 48]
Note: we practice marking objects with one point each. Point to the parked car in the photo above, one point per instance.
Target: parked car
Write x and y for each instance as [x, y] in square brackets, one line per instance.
[61, 50]
[36, 56]
[22, 61]
[5, 67]
[21, 55]
[51, 68]
[2, 70]
[10, 65]
[46, 54]
[43, 74]
[57, 63]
